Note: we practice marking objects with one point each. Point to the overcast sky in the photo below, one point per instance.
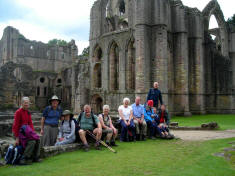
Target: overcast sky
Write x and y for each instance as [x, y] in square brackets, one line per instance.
[43, 20]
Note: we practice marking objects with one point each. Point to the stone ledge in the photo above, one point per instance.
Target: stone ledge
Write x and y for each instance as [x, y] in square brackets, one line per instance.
[204, 126]
[55, 150]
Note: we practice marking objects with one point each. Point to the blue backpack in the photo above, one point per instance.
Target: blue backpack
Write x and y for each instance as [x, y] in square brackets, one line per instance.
[13, 154]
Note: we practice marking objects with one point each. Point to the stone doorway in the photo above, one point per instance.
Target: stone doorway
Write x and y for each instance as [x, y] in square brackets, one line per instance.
[97, 104]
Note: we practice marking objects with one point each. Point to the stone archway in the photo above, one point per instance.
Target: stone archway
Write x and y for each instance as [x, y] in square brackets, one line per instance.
[97, 69]
[114, 67]
[213, 8]
[97, 56]
[97, 104]
[97, 75]
[18, 82]
[130, 66]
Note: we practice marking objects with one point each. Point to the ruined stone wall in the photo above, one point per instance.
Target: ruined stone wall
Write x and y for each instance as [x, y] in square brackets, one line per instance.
[41, 57]
[13, 88]
[48, 70]
[169, 46]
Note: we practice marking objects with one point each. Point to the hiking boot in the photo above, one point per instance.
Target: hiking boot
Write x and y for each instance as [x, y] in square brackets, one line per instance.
[86, 147]
[25, 162]
[37, 160]
[143, 138]
[162, 136]
[113, 144]
[137, 137]
[170, 136]
[97, 146]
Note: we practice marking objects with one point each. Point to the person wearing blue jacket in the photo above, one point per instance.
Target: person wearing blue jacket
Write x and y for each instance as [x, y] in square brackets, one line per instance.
[149, 117]
[155, 95]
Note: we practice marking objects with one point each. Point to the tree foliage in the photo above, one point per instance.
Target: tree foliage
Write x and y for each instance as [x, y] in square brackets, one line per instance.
[85, 51]
[231, 20]
[57, 42]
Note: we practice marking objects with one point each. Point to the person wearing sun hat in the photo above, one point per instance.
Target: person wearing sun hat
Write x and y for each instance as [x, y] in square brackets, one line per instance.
[67, 129]
[50, 121]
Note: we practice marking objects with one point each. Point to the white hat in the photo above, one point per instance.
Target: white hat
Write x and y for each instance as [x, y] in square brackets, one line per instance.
[54, 97]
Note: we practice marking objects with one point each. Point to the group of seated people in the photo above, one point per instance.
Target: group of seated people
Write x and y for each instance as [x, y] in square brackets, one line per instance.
[135, 120]
[60, 127]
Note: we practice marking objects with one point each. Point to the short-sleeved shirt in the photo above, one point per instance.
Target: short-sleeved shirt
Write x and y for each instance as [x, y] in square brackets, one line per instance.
[86, 123]
[52, 116]
[125, 111]
[138, 111]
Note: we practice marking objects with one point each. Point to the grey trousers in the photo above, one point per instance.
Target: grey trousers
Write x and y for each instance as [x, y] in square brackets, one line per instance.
[143, 126]
[65, 141]
[49, 136]
[32, 150]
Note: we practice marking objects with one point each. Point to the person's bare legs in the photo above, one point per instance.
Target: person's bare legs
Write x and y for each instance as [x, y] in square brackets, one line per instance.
[82, 135]
[98, 134]
[109, 136]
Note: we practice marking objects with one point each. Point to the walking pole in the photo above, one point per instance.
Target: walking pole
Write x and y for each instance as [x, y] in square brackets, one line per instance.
[100, 141]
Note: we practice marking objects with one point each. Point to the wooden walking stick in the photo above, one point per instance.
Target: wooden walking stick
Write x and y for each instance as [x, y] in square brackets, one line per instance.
[100, 141]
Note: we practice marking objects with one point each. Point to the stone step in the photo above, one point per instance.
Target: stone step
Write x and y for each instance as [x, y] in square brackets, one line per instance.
[6, 117]
[36, 123]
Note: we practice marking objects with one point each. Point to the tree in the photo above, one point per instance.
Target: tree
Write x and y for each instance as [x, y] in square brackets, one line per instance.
[231, 20]
[57, 42]
[85, 51]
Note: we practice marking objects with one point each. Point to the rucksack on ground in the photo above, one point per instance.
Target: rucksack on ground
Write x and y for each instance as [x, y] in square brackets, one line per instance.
[13, 155]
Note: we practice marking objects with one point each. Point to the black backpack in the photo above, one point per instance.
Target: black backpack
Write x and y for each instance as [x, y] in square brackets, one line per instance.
[14, 154]
[93, 119]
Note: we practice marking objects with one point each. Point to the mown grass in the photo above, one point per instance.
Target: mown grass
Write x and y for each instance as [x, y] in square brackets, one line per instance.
[225, 121]
[153, 157]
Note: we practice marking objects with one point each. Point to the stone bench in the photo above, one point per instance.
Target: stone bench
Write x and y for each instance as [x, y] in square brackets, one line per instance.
[55, 150]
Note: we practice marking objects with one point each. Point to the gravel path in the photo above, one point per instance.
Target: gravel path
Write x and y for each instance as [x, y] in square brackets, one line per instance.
[203, 135]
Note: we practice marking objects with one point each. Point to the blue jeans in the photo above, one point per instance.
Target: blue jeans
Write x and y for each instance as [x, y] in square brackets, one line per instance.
[153, 128]
[126, 128]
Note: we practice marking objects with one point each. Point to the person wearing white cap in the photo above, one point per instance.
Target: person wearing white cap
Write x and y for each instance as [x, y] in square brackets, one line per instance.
[50, 121]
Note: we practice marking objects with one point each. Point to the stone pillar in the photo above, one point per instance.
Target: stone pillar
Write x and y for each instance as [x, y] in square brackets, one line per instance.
[196, 76]
[74, 51]
[122, 69]
[233, 88]
[143, 47]
[160, 62]
[105, 70]
[196, 64]
[181, 73]
[180, 54]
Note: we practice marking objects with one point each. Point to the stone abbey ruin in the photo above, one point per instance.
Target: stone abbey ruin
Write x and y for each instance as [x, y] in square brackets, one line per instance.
[133, 43]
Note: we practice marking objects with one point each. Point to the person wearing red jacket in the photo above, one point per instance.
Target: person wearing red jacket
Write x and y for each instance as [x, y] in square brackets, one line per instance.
[23, 117]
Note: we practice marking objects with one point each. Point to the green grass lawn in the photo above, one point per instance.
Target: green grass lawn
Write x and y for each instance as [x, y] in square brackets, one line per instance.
[225, 121]
[153, 157]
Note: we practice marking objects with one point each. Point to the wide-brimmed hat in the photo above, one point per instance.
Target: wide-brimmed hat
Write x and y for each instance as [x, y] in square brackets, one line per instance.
[67, 112]
[54, 97]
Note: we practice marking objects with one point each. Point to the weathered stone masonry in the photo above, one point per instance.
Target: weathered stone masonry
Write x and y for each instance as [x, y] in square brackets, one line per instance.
[151, 40]
[164, 41]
